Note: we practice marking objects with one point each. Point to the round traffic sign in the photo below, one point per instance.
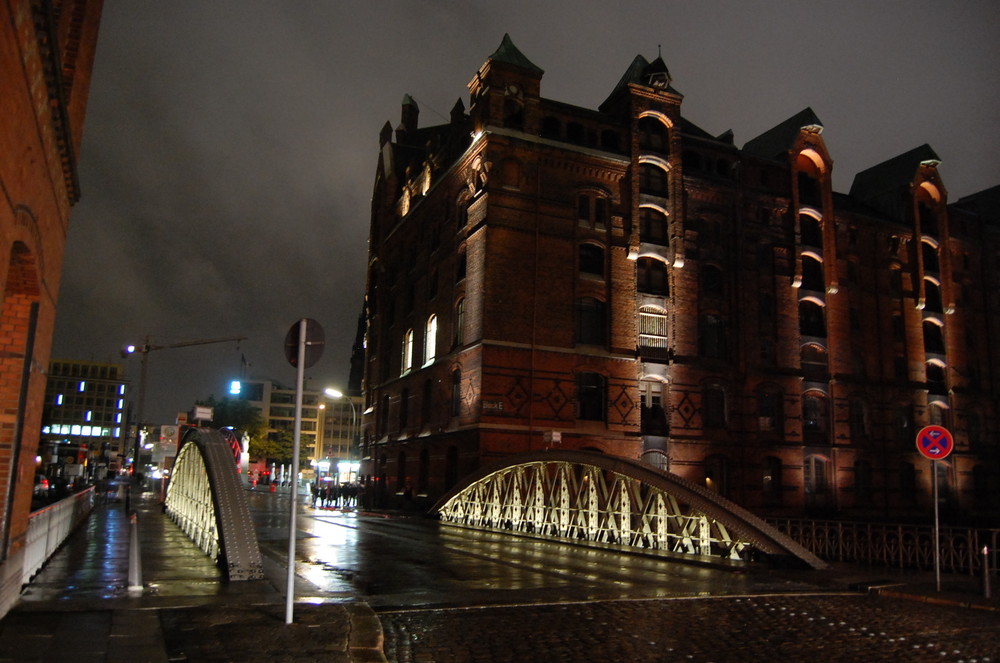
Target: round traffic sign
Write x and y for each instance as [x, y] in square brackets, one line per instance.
[314, 343]
[935, 442]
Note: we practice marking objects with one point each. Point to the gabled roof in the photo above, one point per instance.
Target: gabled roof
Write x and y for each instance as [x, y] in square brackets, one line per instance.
[509, 53]
[776, 141]
[892, 174]
[639, 71]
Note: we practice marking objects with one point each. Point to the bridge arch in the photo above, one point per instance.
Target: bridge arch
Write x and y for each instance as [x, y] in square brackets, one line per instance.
[208, 503]
[601, 499]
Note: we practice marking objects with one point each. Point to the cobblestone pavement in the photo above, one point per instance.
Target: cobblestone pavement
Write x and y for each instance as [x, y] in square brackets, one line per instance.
[818, 629]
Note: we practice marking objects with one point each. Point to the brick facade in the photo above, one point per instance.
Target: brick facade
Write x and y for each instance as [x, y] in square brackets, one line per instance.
[46, 56]
[620, 280]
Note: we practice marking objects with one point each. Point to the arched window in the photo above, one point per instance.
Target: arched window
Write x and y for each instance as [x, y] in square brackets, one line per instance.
[938, 412]
[653, 180]
[652, 226]
[928, 219]
[810, 233]
[653, 135]
[933, 338]
[591, 395]
[430, 339]
[591, 321]
[460, 322]
[808, 181]
[812, 274]
[930, 255]
[814, 362]
[812, 322]
[651, 277]
[936, 381]
[407, 362]
[933, 300]
[591, 259]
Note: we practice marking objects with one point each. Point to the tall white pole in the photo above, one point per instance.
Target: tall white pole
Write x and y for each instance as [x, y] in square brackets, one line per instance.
[300, 373]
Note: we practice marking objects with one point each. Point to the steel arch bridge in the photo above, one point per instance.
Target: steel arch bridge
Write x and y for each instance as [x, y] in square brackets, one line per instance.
[207, 502]
[599, 499]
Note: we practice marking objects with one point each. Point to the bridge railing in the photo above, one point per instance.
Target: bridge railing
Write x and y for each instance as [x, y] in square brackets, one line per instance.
[49, 527]
[894, 545]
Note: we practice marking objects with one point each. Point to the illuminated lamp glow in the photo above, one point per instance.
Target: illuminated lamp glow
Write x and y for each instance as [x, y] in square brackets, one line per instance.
[235, 387]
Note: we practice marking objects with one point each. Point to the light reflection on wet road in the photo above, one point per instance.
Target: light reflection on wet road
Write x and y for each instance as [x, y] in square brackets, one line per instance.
[405, 561]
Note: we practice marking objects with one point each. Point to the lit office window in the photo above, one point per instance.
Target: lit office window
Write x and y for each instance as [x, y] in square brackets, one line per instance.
[59, 399]
[82, 385]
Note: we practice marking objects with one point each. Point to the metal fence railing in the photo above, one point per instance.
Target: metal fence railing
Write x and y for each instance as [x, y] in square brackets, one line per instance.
[49, 527]
[894, 545]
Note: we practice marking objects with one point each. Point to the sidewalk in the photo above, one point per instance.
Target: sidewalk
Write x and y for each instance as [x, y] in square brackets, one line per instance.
[79, 608]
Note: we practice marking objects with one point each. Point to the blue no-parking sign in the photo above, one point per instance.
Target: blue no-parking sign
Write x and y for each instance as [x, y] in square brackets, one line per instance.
[935, 442]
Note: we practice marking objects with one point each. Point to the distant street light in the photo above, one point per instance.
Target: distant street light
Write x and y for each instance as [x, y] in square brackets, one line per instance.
[351, 433]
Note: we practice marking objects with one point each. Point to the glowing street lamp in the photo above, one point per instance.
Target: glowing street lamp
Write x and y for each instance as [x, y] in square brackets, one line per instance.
[351, 433]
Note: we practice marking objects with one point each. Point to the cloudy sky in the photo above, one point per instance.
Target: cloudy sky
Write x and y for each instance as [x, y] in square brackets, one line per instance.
[230, 146]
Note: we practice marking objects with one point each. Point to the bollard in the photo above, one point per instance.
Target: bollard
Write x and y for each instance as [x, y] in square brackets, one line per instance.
[134, 559]
[986, 572]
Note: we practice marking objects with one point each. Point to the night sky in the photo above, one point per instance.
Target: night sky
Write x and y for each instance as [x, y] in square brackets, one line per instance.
[230, 146]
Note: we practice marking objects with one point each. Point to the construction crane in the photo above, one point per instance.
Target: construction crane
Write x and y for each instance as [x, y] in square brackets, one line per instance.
[144, 351]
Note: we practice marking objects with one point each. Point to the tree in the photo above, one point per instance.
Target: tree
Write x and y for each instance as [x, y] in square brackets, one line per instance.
[277, 446]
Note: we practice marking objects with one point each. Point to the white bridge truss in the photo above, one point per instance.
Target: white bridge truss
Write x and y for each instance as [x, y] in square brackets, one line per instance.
[595, 498]
[207, 502]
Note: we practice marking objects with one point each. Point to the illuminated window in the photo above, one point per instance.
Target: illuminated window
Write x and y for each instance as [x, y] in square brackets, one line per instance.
[82, 386]
[430, 339]
[89, 416]
[59, 399]
[407, 351]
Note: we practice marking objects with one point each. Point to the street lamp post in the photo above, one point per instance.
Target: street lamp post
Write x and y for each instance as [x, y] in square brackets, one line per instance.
[351, 433]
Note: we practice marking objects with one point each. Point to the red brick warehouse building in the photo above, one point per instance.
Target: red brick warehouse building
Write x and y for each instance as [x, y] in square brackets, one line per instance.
[46, 56]
[548, 276]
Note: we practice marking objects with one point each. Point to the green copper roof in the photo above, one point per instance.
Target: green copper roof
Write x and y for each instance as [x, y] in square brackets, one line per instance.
[509, 53]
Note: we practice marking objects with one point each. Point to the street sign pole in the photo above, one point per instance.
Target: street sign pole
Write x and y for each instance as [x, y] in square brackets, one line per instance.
[937, 528]
[935, 443]
[303, 347]
[300, 372]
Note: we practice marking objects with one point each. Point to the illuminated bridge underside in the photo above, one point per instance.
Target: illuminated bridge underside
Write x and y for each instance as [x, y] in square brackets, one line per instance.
[206, 501]
[592, 497]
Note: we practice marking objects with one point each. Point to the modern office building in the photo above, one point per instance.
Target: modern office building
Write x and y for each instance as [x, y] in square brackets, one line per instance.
[45, 67]
[84, 422]
[617, 279]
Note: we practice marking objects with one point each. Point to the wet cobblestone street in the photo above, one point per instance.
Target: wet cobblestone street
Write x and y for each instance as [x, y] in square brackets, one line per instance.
[819, 629]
